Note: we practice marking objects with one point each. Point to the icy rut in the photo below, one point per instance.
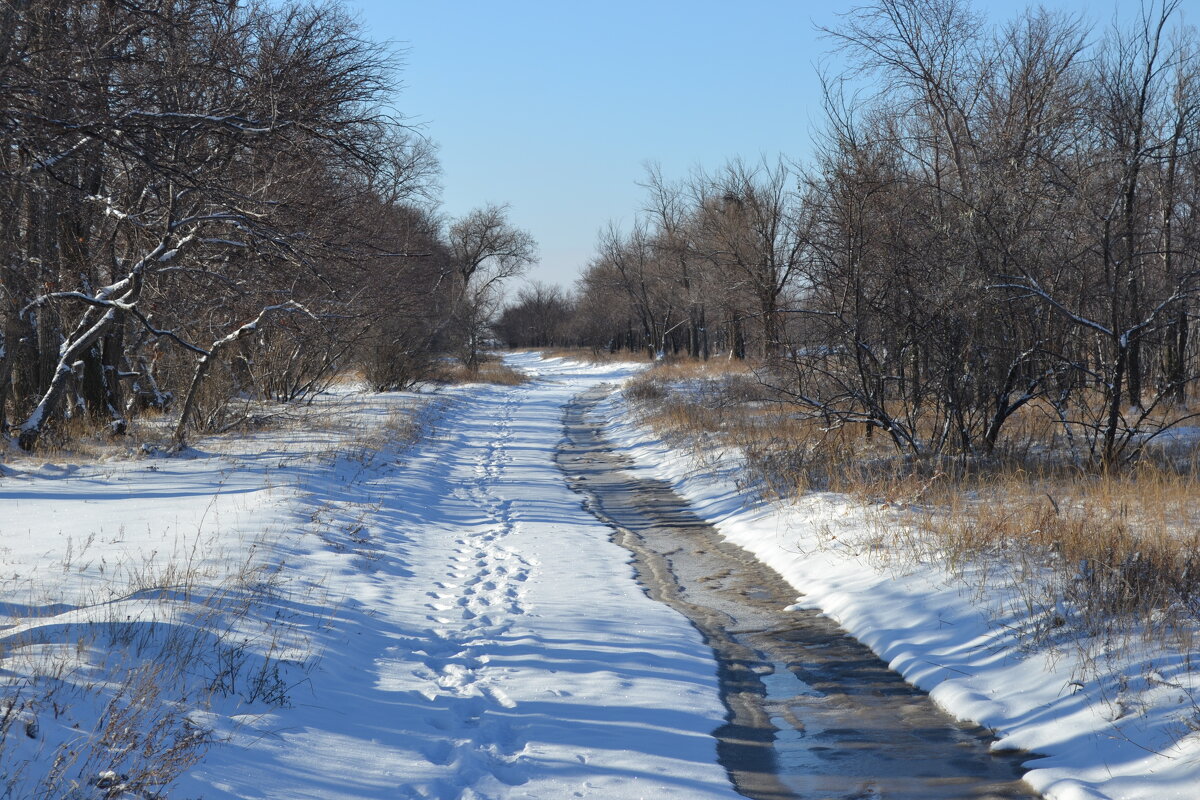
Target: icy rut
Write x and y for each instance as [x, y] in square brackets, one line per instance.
[492, 643]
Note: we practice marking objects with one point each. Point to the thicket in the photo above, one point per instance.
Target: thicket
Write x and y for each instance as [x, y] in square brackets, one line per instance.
[996, 218]
[201, 200]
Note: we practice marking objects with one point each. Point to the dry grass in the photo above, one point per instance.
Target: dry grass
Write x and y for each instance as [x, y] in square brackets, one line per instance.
[695, 385]
[591, 355]
[1097, 553]
[1111, 553]
[489, 371]
[722, 402]
[82, 440]
[105, 695]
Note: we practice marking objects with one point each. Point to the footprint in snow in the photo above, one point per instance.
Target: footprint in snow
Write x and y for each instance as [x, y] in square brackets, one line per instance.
[440, 752]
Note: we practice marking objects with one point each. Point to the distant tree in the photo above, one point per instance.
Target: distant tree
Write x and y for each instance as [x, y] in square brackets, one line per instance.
[683, 270]
[751, 229]
[485, 251]
[536, 318]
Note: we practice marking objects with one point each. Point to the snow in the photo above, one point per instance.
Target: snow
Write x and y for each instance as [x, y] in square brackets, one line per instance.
[450, 622]
[1123, 727]
[354, 617]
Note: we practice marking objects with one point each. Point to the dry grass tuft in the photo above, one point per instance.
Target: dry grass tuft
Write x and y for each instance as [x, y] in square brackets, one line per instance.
[489, 371]
[694, 386]
[590, 355]
[107, 693]
[1114, 549]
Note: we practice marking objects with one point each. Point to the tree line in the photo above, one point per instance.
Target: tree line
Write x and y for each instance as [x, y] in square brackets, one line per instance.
[202, 199]
[994, 217]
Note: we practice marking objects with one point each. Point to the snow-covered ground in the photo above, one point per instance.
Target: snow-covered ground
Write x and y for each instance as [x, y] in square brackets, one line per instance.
[353, 619]
[1124, 726]
[445, 623]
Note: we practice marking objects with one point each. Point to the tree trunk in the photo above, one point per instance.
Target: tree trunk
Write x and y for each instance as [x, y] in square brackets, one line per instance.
[1115, 392]
[95, 323]
[5, 374]
[1134, 372]
[1177, 357]
[189, 400]
[110, 359]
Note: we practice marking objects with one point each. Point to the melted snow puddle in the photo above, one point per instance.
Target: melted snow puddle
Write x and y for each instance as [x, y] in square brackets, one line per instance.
[812, 712]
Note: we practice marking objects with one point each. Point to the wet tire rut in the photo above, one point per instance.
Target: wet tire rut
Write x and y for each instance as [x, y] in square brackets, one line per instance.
[812, 713]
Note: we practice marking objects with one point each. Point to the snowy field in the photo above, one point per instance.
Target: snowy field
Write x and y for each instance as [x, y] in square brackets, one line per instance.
[323, 612]
[446, 623]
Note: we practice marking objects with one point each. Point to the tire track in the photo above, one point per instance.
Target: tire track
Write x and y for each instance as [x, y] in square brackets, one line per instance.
[812, 712]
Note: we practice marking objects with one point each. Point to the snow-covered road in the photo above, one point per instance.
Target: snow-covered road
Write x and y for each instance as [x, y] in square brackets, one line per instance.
[352, 617]
[494, 645]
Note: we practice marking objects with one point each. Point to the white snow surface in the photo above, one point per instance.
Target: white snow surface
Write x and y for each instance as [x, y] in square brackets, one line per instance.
[1125, 727]
[446, 621]
[478, 634]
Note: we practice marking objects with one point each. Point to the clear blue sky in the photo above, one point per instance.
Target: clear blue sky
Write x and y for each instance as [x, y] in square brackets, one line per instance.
[554, 106]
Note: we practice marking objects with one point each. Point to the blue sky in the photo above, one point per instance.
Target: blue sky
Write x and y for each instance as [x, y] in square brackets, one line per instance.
[555, 106]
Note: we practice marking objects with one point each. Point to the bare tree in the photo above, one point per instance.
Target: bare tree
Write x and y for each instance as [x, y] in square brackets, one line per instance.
[752, 231]
[676, 234]
[175, 169]
[537, 318]
[1135, 284]
[485, 250]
